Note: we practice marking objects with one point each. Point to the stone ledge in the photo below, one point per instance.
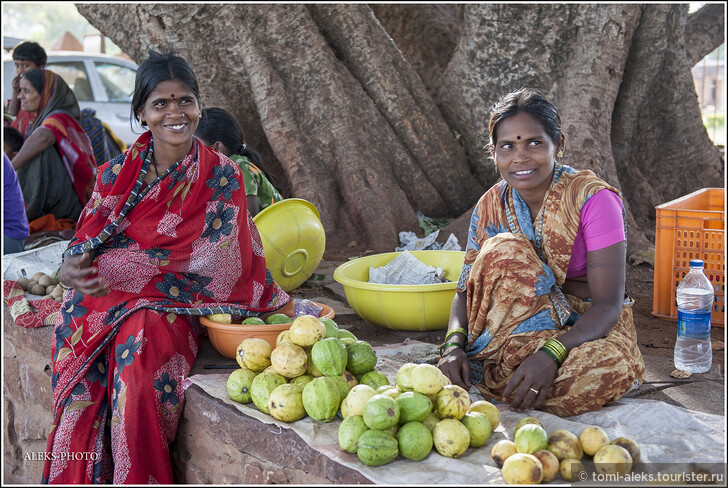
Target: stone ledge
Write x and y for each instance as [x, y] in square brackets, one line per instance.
[215, 444]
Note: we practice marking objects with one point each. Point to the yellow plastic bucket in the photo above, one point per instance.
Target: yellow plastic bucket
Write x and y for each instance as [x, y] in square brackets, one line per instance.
[293, 240]
[401, 307]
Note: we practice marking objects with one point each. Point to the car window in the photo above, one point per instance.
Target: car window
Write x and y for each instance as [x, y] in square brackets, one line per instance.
[74, 74]
[118, 81]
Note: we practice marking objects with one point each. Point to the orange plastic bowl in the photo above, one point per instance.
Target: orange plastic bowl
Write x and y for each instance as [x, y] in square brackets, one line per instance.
[226, 338]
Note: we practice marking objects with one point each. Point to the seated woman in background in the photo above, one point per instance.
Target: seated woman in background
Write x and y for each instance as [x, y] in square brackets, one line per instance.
[27, 55]
[56, 164]
[219, 130]
[540, 309]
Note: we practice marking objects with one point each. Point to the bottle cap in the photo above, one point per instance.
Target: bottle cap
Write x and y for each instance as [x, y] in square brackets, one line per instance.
[696, 263]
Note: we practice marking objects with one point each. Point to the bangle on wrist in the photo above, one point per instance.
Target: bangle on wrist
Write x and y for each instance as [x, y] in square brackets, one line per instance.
[58, 280]
[448, 344]
[456, 329]
[555, 350]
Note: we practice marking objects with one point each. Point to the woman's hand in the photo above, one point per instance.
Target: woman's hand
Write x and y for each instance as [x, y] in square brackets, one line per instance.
[79, 273]
[536, 373]
[456, 366]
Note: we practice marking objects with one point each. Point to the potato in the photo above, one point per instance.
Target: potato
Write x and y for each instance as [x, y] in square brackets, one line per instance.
[23, 282]
[31, 284]
[37, 276]
[57, 292]
[46, 280]
[50, 288]
[38, 290]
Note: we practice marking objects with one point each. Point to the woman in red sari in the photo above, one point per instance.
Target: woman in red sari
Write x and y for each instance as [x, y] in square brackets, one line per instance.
[166, 237]
[56, 164]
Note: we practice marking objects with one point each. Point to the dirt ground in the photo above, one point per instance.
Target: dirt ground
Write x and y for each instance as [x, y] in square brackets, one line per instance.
[656, 336]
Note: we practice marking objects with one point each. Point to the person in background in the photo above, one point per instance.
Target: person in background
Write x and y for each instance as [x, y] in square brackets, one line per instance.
[56, 164]
[540, 319]
[219, 130]
[105, 143]
[165, 239]
[12, 141]
[15, 223]
[27, 55]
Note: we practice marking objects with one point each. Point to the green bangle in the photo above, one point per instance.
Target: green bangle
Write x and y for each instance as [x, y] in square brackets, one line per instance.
[456, 329]
[448, 344]
[552, 355]
[58, 280]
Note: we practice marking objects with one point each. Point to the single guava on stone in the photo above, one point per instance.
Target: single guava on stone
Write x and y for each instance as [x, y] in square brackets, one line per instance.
[261, 387]
[285, 403]
[415, 441]
[525, 421]
[376, 447]
[572, 470]
[427, 379]
[632, 447]
[612, 459]
[238, 385]
[565, 445]
[484, 406]
[374, 378]
[404, 376]
[478, 427]
[592, 439]
[289, 360]
[413, 406]
[502, 450]
[531, 438]
[452, 402]
[550, 464]
[350, 429]
[381, 412]
[354, 402]
[522, 469]
[451, 438]
[254, 353]
[306, 330]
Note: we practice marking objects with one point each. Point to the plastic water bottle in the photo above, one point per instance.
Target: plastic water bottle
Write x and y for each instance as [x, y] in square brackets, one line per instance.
[694, 306]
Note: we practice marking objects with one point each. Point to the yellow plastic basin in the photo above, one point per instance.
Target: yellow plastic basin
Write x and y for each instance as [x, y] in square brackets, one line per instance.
[293, 240]
[401, 307]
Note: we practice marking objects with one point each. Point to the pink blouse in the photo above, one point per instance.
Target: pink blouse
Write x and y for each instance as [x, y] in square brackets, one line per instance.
[601, 225]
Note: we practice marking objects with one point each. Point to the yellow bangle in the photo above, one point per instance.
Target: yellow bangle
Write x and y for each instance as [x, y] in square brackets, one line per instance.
[456, 329]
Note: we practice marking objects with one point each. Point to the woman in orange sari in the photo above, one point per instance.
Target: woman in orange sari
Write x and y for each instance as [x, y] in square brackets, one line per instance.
[166, 237]
[56, 164]
[540, 319]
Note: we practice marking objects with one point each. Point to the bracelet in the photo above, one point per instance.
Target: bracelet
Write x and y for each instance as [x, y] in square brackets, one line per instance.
[555, 350]
[456, 329]
[448, 344]
[58, 280]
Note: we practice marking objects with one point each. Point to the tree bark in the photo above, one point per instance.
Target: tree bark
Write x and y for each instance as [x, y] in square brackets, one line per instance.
[704, 32]
[346, 117]
[336, 99]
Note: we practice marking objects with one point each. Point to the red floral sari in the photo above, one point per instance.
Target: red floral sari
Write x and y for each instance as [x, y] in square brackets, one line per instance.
[181, 247]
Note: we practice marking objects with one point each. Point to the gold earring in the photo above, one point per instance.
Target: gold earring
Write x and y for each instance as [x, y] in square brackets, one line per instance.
[560, 154]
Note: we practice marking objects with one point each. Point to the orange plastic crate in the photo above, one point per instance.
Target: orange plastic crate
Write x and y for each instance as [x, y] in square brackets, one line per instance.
[691, 227]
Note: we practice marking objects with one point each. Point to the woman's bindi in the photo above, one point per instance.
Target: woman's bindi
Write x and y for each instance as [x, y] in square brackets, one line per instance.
[172, 96]
[517, 137]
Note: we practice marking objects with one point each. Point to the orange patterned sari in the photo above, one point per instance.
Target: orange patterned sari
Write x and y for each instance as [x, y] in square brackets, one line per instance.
[512, 274]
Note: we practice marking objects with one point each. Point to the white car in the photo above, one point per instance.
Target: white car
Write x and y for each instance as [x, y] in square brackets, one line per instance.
[101, 82]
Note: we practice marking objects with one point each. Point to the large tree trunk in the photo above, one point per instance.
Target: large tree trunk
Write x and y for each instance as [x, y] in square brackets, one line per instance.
[336, 99]
[347, 118]
[619, 76]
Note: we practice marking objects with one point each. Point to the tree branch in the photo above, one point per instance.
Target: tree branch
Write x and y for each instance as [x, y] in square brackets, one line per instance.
[704, 31]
